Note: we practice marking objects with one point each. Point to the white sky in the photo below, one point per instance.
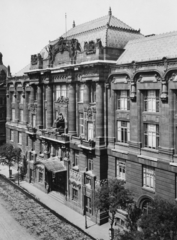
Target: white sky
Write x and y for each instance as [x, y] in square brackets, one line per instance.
[26, 26]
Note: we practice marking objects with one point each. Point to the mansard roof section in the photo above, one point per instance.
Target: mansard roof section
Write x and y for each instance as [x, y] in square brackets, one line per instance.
[97, 29]
[150, 48]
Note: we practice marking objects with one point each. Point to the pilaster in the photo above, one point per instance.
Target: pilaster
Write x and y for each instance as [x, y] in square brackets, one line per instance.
[99, 115]
[72, 109]
[49, 106]
[39, 107]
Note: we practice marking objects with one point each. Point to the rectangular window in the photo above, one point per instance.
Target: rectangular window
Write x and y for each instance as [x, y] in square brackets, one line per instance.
[33, 120]
[21, 115]
[81, 124]
[19, 137]
[1, 115]
[12, 135]
[58, 92]
[45, 93]
[123, 100]
[76, 156]
[13, 114]
[151, 101]
[81, 93]
[123, 131]
[149, 177]
[26, 139]
[20, 97]
[120, 170]
[151, 136]
[90, 164]
[2, 100]
[93, 93]
[88, 180]
[75, 195]
[63, 91]
[13, 97]
[35, 93]
[90, 131]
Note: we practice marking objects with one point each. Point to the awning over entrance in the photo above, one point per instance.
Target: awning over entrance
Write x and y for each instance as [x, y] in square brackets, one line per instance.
[52, 164]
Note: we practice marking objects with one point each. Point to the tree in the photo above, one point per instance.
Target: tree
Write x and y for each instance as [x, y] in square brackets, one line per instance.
[159, 223]
[111, 196]
[7, 151]
[18, 159]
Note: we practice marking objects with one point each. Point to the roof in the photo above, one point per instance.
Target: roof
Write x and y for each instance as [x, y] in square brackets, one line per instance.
[53, 164]
[98, 29]
[22, 71]
[150, 48]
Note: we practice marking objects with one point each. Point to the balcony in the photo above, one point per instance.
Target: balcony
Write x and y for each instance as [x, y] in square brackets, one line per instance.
[55, 136]
[31, 130]
[87, 144]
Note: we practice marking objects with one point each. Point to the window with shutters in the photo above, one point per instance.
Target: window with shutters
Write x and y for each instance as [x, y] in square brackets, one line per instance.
[33, 120]
[63, 91]
[12, 135]
[81, 124]
[149, 177]
[75, 195]
[90, 131]
[81, 93]
[93, 93]
[151, 101]
[123, 131]
[13, 114]
[19, 137]
[58, 91]
[120, 170]
[90, 164]
[151, 136]
[123, 100]
[21, 115]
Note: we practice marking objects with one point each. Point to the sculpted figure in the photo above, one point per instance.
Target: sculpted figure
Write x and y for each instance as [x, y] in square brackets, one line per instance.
[59, 123]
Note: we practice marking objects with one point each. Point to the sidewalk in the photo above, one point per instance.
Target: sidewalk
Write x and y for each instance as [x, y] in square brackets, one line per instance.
[96, 231]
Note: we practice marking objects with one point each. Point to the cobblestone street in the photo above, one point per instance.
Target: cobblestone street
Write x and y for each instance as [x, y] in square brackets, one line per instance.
[33, 218]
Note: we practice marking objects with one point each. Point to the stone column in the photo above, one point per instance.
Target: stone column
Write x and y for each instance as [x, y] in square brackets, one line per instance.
[31, 101]
[49, 106]
[111, 118]
[25, 108]
[16, 107]
[99, 115]
[9, 109]
[39, 107]
[72, 109]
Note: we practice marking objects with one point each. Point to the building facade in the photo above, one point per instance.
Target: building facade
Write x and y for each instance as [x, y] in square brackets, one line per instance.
[142, 115]
[57, 112]
[4, 73]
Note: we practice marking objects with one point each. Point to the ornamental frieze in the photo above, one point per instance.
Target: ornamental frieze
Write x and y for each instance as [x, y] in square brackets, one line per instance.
[90, 111]
[60, 77]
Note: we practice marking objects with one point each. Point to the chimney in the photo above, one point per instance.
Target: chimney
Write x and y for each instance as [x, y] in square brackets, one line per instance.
[110, 12]
[1, 63]
[74, 24]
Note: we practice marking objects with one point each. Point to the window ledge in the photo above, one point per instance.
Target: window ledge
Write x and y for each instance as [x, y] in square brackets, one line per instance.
[80, 102]
[147, 157]
[88, 185]
[76, 168]
[173, 164]
[148, 189]
[122, 144]
[150, 150]
[123, 110]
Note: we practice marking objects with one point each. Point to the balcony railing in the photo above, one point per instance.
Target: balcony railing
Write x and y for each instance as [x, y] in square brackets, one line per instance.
[63, 138]
[75, 176]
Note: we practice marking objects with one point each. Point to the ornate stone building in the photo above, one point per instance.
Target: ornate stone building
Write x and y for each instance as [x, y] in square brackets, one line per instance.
[142, 116]
[57, 112]
[4, 73]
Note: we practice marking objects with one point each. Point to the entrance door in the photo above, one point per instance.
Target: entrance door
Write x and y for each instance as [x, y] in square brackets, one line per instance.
[59, 183]
[88, 208]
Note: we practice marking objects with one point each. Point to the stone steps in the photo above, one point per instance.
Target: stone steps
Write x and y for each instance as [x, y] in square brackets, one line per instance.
[58, 196]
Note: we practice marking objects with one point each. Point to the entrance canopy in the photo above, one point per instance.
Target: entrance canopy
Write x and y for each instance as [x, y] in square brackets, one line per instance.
[53, 165]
